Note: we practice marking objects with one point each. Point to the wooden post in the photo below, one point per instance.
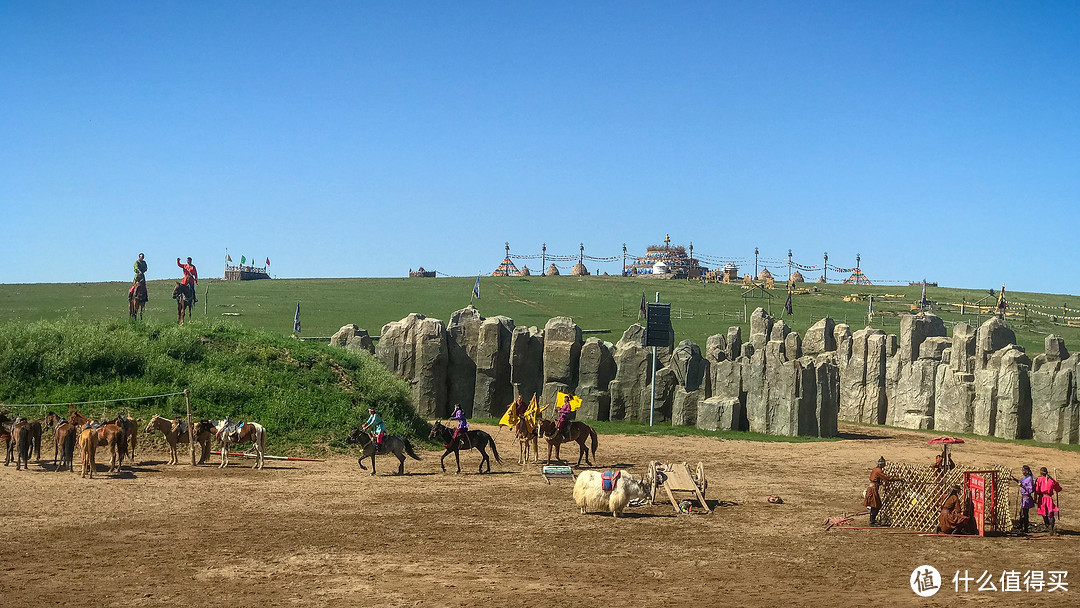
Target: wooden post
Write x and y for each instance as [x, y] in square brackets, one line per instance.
[205, 295]
[191, 429]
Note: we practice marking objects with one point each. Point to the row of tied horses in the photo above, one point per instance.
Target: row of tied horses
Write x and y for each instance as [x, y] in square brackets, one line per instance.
[120, 434]
[22, 438]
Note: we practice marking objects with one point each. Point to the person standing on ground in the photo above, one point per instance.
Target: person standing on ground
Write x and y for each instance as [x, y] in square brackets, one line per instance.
[1027, 497]
[873, 498]
[1045, 488]
[191, 277]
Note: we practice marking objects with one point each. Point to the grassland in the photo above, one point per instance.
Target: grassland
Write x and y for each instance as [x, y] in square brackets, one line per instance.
[605, 304]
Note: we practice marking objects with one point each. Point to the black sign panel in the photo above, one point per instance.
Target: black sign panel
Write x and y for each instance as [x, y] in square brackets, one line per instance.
[658, 331]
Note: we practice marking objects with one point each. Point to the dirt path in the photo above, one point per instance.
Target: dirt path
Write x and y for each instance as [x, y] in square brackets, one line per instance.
[322, 533]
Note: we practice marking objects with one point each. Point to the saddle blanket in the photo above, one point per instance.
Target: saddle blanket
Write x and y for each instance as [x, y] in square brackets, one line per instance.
[232, 428]
[610, 478]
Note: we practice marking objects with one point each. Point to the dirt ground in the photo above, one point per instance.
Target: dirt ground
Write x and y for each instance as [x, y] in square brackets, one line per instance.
[327, 533]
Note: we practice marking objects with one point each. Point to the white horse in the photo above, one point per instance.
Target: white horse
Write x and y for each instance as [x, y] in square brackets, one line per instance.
[248, 432]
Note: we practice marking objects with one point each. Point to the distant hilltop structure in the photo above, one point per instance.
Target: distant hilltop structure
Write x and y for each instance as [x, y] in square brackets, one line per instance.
[245, 273]
[421, 273]
[667, 260]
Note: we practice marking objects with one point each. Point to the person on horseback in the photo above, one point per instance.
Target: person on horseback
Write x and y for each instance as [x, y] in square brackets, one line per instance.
[191, 277]
[140, 273]
[462, 431]
[563, 423]
[375, 422]
[520, 407]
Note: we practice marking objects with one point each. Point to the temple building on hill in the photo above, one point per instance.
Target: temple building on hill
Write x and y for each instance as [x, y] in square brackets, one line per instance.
[667, 260]
[421, 273]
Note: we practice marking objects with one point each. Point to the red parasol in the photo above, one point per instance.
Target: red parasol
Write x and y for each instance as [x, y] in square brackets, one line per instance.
[944, 443]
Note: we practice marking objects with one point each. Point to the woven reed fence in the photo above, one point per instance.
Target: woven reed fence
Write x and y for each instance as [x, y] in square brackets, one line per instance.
[914, 502]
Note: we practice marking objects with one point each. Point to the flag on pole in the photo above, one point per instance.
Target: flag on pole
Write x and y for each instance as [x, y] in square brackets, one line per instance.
[644, 310]
[228, 258]
[296, 319]
[870, 311]
[267, 261]
[243, 260]
[575, 401]
[476, 287]
[787, 305]
[1002, 304]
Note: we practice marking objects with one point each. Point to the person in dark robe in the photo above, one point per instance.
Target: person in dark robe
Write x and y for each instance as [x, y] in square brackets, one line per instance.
[873, 498]
[952, 519]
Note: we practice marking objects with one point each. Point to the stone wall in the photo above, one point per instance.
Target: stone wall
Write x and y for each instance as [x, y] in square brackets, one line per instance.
[977, 380]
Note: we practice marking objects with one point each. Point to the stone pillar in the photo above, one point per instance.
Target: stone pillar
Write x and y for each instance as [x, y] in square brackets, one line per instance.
[494, 392]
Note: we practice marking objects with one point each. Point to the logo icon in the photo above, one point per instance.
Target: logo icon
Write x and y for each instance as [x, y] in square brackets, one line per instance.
[925, 581]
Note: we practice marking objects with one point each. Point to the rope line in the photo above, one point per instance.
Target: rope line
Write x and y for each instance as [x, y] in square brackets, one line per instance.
[44, 405]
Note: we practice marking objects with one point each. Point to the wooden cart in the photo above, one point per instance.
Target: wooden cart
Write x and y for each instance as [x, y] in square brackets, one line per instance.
[678, 483]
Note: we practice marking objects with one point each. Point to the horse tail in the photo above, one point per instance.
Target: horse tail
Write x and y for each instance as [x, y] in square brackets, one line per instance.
[592, 436]
[68, 452]
[25, 443]
[494, 450]
[409, 449]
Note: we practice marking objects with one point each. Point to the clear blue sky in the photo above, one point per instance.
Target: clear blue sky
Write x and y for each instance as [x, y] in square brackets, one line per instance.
[939, 140]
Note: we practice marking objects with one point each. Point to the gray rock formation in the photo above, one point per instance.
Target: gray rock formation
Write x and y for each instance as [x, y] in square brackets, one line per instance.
[992, 336]
[684, 408]
[527, 362]
[666, 384]
[915, 395]
[719, 414]
[494, 391]
[935, 348]
[734, 342]
[843, 337]
[414, 349]
[1055, 410]
[793, 345]
[761, 324]
[914, 329]
[820, 338]
[562, 352]
[597, 370]
[689, 365]
[716, 348]
[962, 358]
[633, 374]
[955, 392]
[463, 336]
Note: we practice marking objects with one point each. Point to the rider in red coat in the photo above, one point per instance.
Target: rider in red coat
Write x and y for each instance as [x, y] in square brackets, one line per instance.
[191, 277]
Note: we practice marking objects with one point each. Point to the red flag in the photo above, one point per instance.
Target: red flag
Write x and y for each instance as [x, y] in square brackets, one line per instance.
[267, 261]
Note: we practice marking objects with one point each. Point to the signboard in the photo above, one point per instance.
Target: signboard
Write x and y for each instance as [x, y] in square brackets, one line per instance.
[658, 331]
[977, 490]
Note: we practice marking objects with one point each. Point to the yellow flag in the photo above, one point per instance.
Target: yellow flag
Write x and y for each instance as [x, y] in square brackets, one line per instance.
[510, 417]
[228, 258]
[575, 401]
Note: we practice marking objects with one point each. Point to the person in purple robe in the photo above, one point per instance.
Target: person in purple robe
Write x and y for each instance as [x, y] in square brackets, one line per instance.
[1027, 497]
[461, 433]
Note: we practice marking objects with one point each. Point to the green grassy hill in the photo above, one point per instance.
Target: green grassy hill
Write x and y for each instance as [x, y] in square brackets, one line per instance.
[302, 392]
[595, 303]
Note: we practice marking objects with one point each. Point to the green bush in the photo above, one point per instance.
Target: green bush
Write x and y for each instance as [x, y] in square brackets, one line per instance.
[302, 392]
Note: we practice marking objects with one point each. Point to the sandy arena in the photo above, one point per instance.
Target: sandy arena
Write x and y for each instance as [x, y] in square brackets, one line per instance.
[326, 533]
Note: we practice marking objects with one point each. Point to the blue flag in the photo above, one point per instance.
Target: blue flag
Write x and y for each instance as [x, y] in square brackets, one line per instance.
[476, 288]
[296, 319]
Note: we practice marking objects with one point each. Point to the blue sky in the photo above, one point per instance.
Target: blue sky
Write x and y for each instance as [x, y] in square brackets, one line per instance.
[939, 140]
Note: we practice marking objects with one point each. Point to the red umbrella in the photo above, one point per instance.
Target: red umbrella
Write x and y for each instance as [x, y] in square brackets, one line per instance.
[944, 443]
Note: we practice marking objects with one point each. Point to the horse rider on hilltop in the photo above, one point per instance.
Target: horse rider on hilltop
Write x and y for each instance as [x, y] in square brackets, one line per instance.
[191, 277]
[462, 430]
[377, 426]
[140, 277]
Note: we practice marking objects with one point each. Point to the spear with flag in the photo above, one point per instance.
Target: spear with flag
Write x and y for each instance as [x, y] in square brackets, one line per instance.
[296, 319]
[643, 311]
[1002, 304]
[787, 305]
[476, 287]
[870, 312]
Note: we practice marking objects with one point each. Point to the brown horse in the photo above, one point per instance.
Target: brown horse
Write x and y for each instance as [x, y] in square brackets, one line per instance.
[11, 437]
[526, 435]
[88, 447]
[176, 432]
[131, 431]
[579, 432]
[137, 300]
[23, 443]
[185, 297]
[64, 437]
[109, 433]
